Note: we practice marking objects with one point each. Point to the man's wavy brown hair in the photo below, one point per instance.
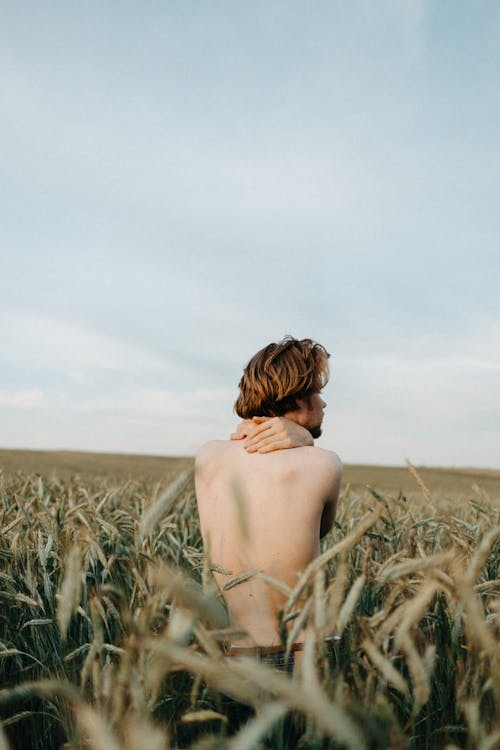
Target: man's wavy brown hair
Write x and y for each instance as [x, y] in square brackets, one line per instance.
[280, 374]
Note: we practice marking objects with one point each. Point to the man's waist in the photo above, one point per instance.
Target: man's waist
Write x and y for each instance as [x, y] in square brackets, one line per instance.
[260, 651]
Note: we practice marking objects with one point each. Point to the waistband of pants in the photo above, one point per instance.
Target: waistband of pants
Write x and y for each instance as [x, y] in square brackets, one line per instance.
[260, 651]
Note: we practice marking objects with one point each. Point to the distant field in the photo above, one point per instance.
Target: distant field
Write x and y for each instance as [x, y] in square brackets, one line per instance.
[120, 467]
[443, 482]
[111, 466]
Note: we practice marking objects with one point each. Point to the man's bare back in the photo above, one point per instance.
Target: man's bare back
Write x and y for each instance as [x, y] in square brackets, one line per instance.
[263, 512]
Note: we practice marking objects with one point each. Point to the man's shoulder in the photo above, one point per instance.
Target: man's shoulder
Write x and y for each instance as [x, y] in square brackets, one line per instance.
[330, 457]
[318, 461]
[313, 453]
[209, 452]
[325, 470]
[213, 446]
[310, 460]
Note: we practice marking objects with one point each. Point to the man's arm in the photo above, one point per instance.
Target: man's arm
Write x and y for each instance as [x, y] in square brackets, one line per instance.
[266, 434]
[330, 507]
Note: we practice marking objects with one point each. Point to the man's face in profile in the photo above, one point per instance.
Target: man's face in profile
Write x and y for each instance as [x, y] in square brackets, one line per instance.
[311, 414]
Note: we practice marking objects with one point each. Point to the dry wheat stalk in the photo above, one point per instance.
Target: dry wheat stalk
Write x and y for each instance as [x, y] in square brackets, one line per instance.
[189, 594]
[335, 592]
[422, 565]
[420, 671]
[319, 604]
[415, 610]
[164, 503]
[140, 733]
[418, 479]
[329, 717]
[385, 667]
[343, 546]
[480, 556]
[491, 742]
[96, 729]
[4, 745]
[70, 591]
[299, 624]
[349, 604]
[248, 737]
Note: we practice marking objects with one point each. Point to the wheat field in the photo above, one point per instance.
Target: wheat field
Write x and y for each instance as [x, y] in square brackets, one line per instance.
[111, 626]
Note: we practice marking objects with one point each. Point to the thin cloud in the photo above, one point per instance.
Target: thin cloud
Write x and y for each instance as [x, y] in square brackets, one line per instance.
[157, 404]
[29, 399]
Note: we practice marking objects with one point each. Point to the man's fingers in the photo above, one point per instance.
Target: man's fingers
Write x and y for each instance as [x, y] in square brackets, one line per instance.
[273, 445]
[274, 442]
[266, 434]
[256, 429]
[254, 433]
[244, 429]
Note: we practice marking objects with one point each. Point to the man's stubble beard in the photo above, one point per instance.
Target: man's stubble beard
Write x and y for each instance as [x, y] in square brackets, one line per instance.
[315, 431]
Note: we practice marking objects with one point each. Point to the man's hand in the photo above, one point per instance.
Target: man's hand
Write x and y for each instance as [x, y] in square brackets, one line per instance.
[266, 434]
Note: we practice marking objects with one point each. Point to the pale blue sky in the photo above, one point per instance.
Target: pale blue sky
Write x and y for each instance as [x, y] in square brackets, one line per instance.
[183, 182]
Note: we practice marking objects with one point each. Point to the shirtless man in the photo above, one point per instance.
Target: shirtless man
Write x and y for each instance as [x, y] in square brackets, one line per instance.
[267, 496]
